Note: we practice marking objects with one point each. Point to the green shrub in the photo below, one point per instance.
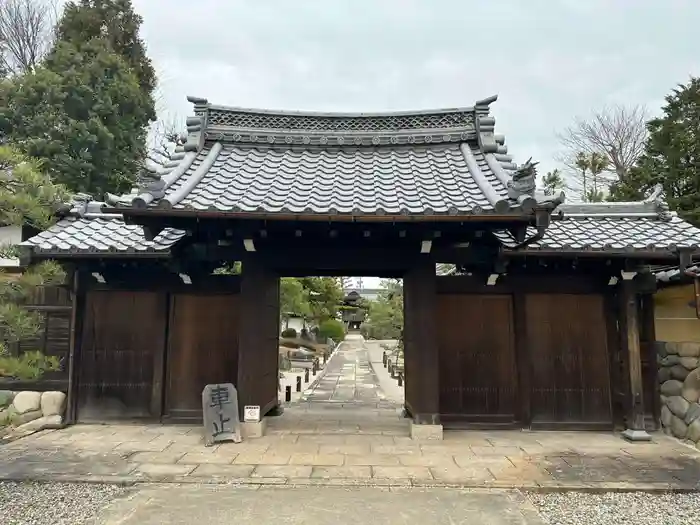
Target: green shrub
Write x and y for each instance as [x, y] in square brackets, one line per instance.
[333, 329]
[291, 333]
[28, 366]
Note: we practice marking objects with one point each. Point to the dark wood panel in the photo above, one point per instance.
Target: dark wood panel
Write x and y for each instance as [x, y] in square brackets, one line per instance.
[202, 349]
[478, 377]
[567, 339]
[120, 332]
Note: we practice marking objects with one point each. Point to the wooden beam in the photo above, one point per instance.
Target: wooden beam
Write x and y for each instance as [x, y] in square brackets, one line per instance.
[636, 430]
[420, 343]
[506, 284]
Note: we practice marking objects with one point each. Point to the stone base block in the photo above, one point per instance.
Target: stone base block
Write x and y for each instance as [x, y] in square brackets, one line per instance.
[276, 411]
[426, 432]
[250, 430]
[636, 435]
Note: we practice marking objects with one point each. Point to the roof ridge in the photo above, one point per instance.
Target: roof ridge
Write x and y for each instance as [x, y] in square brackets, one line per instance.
[654, 206]
[315, 128]
[479, 105]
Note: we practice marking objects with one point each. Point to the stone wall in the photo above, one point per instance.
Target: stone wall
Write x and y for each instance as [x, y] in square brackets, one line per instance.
[679, 375]
[26, 412]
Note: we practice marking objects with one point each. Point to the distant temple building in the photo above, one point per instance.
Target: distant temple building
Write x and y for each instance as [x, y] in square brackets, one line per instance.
[352, 310]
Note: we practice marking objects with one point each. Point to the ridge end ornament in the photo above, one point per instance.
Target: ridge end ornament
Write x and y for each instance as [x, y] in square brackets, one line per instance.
[524, 180]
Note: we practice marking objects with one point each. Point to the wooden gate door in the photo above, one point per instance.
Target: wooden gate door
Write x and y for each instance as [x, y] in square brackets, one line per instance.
[121, 332]
[567, 341]
[202, 349]
[478, 381]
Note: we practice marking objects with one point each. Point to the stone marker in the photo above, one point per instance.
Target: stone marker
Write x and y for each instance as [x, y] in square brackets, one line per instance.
[220, 414]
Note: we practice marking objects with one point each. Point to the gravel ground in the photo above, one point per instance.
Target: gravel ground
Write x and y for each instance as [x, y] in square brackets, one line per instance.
[54, 503]
[613, 508]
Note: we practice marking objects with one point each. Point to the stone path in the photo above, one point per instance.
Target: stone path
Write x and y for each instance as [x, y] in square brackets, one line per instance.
[389, 386]
[346, 399]
[348, 378]
[475, 459]
[318, 505]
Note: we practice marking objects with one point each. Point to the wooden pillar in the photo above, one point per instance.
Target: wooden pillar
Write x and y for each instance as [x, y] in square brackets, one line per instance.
[523, 359]
[258, 337]
[630, 344]
[159, 360]
[78, 301]
[652, 394]
[422, 392]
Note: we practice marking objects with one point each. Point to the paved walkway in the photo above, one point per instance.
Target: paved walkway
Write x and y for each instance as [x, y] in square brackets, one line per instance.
[389, 387]
[348, 378]
[318, 505]
[346, 399]
[344, 433]
[500, 459]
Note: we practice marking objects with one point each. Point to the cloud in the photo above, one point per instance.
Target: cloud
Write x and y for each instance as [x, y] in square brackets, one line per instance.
[549, 60]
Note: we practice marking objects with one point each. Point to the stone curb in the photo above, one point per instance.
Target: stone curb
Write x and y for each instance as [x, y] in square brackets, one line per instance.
[321, 374]
[543, 487]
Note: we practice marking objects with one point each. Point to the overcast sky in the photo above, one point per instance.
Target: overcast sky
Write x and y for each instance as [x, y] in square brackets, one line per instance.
[548, 60]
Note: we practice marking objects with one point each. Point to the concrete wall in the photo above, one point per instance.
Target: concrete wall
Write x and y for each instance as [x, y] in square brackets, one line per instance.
[676, 319]
[10, 235]
[293, 322]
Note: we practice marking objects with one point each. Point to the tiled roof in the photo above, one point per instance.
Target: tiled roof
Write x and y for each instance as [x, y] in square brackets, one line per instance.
[613, 234]
[239, 161]
[100, 234]
[668, 275]
[388, 181]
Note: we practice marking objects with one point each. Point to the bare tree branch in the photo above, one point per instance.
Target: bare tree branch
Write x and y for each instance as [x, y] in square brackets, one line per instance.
[26, 33]
[165, 135]
[616, 133]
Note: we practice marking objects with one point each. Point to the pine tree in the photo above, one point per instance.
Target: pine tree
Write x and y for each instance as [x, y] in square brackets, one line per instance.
[27, 196]
[672, 155]
[552, 181]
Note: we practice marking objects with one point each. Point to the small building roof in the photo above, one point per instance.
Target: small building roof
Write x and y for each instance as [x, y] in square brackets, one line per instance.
[88, 231]
[672, 275]
[615, 228]
[249, 162]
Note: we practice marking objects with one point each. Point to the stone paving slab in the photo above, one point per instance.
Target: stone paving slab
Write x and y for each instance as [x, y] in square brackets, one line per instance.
[80, 453]
[307, 504]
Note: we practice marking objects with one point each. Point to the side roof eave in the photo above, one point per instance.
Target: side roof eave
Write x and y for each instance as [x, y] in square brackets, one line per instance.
[87, 232]
[642, 229]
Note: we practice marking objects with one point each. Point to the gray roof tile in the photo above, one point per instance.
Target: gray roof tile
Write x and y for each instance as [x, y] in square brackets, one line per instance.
[669, 275]
[613, 234]
[100, 236]
[382, 180]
